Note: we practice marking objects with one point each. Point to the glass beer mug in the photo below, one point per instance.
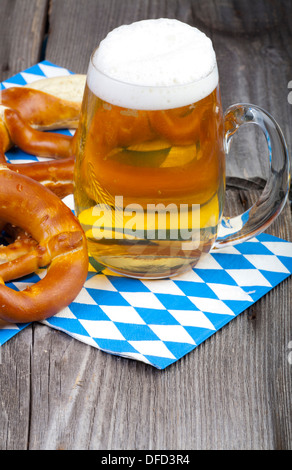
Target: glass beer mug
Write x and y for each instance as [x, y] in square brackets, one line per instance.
[150, 153]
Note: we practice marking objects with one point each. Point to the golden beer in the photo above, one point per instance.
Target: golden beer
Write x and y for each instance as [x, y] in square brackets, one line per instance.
[149, 183]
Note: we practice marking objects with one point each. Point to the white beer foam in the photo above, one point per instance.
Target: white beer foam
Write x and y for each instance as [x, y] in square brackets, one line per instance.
[153, 64]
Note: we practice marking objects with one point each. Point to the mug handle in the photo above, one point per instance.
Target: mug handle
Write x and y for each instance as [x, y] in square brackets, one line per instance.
[257, 218]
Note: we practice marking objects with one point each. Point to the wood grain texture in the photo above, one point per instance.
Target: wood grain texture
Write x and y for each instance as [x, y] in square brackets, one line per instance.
[231, 392]
[22, 25]
[252, 41]
[234, 390]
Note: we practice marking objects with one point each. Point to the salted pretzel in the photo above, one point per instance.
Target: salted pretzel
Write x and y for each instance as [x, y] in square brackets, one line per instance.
[56, 241]
[44, 232]
[25, 112]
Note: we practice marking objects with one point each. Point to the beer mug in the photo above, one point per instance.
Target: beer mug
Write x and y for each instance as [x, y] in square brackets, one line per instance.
[150, 153]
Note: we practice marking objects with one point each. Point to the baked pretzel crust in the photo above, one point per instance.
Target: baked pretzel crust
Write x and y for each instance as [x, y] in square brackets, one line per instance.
[43, 230]
[58, 243]
[47, 104]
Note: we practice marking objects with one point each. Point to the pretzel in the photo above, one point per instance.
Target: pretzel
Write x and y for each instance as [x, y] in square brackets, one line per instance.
[24, 111]
[51, 103]
[56, 175]
[48, 104]
[57, 241]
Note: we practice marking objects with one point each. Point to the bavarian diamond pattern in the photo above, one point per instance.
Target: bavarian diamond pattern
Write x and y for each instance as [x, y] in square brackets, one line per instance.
[158, 322]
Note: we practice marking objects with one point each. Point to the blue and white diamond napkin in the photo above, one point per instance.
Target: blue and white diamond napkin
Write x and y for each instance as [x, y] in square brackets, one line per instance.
[159, 321]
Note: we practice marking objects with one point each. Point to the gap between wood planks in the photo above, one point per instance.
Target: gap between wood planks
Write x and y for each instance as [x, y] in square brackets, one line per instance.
[46, 32]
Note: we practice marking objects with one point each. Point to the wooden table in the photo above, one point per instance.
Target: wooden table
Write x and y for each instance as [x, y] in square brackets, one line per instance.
[235, 390]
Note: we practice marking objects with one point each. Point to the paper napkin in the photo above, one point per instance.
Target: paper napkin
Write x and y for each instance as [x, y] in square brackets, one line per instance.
[159, 321]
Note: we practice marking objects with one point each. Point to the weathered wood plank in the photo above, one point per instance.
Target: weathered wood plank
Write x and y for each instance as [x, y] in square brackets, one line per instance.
[252, 41]
[22, 25]
[15, 385]
[234, 390]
